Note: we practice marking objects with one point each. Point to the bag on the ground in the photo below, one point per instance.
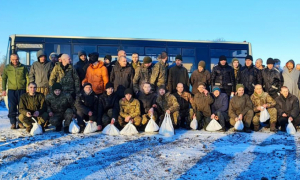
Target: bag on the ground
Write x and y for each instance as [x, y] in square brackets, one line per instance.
[264, 115]
[239, 126]
[111, 130]
[74, 128]
[166, 128]
[36, 128]
[90, 127]
[129, 129]
[151, 126]
[194, 124]
[290, 129]
[213, 126]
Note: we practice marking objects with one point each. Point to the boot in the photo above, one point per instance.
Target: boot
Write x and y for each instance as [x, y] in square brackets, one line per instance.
[223, 129]
[21, 126]
[13, 126]
[58, 128]
[46, 124]
[283, 128]
[247, 130]
[28, 129]
[81, 128]
[66, 129]
[273, 127]
[43, 127]
[256, 128]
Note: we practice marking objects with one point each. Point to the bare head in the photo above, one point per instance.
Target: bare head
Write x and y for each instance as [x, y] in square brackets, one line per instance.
[65, 59]
[135, 57]
[121, 53]
[179, 88]
[147, 88]
[164, 56]
[258, 63]
[14, 59]
[284, 91]
[32, 88]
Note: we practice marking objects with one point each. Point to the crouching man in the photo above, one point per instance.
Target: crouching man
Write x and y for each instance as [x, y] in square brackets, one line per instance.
[263, 99]
[32, 105]
[287, 106]
[60, 106]
[240, 108]
[220, 107]
[167, 103]
[87, 106]
[129, 110]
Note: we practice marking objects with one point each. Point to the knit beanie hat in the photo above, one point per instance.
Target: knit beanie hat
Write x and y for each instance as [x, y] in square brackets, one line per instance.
[249, 57]
[178, 57]
[93, 57]
[56, 86]
[239, 86]
[161, 87]
[216, 88]
[87, 84]
[128, 91]
[147, 60]
[235, 59]
[107, 57]
[202, 64]
[109, 85]
[270, 61]
[222, 58]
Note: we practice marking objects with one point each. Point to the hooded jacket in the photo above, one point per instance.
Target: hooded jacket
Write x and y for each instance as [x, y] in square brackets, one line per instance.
[40, 72]
[97, 76]
[291, 79]
[288, 105]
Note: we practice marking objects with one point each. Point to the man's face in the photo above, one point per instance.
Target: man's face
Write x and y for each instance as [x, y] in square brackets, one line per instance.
[106, 61]
[162, 92]
[298, 67]
[121, 53]
[146, 88]
[128, 96]
[284, 92]
[258, 89]
[82, 57]
[235, 64]
[54, 58]
[178, 62]
[57, 92]
[109, 91]
[290, 66]
[42, 59]
[66, 60]
[248, 62]
[179, 88]
[258, 63]
[223, 62]
[201, 88]
[31, 89]
[216, 93]
[135, 58]
[240, 91]
[270, 66]
[147, 65]
[200, 68]
[87, 89]
[14, 60]
[123, 62]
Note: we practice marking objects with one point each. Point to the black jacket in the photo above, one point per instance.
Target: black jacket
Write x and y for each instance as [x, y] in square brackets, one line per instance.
[249, 77]
[223, 76]
[289, 105]
[146, 101]
[272, 81]
[86, 103]
[108, 102]
[178, 74]
[81, 68]
[220, 103]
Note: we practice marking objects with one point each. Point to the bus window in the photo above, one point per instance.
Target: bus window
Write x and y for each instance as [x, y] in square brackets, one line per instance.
[174, 51]
[87, 48]
[238, 53]
[129, 50]
[154, 51]
[22, 57]
[104, 50]
[33, 57]
[188, 52]
[62, 48]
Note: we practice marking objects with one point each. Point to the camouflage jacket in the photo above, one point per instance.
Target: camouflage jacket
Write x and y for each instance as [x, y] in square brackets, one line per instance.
[129, 108]
[59, 104]
[32, 103]
[259, 100]
[159, 74]
[167, 102]
[142, 75]
[67, 78]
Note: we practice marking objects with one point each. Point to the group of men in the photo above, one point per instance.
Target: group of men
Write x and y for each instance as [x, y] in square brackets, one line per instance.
[119, 92]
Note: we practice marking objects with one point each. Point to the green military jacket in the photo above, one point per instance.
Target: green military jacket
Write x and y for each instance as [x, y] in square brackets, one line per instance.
[15, 78]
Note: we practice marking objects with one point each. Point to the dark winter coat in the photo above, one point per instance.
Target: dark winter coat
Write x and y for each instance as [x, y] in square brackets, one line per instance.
[59, 104]
[178, 74]
[199, 77]
[288, 105]
[81, 68]
[220, 103]
[272, 80]
[86, 103]
[185, 100]
[249, 77]
[108, 102]
[239, 105]
[223, 76]
[147, 101]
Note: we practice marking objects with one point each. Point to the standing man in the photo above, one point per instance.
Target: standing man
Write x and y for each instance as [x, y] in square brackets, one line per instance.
[142, 75]
[159, 72]
[272, 81]
[178, 74]
[65, 74]
[53, 58]
[122, 76]
[223, 76]
[15, 79]
[80, 66]
[135, 63]
[291, 78]
[108, 64]
[40, 72]
[259, 64]
[200, 75]
[249, 76]
[236, 69]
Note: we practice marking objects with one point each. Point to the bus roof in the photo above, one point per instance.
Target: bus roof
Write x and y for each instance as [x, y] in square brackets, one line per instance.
[143, 39]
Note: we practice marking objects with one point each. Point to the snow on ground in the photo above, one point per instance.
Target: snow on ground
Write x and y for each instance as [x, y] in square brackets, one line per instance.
[187, 155]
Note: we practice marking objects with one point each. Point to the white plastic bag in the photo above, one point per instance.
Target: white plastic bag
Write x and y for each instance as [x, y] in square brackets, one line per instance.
[166, 128]
[36, 128]
[264, 115]
[213, 126]
[111, 130]
[74, 128]
[290, 129]
[129, 129]
[151, 126]
[90, 127]
[239, 126]
[194, 124]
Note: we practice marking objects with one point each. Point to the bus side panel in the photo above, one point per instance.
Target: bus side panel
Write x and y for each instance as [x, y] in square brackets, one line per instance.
[202, 54]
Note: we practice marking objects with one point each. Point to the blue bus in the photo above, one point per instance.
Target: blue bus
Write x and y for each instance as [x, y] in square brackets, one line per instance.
[192, 52]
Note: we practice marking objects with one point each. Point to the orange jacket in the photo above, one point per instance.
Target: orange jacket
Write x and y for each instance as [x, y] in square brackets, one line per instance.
[97, 76]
